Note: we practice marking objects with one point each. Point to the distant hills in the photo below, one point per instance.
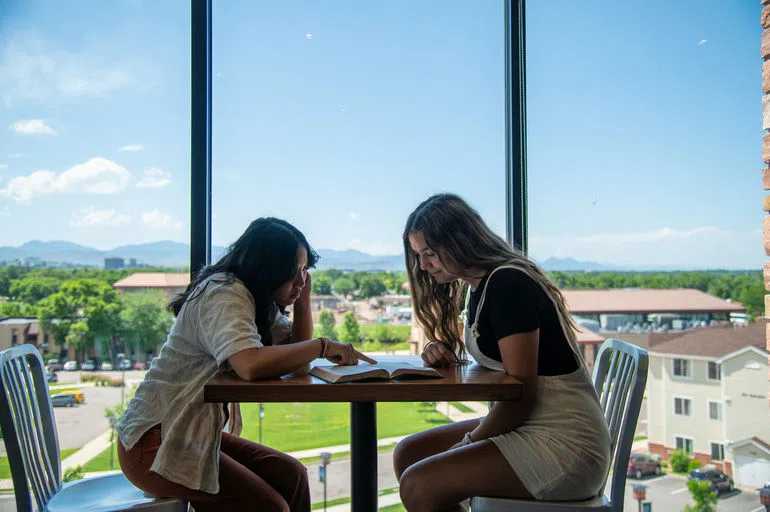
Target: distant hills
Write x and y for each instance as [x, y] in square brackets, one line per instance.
[174, 255]
[177, 255]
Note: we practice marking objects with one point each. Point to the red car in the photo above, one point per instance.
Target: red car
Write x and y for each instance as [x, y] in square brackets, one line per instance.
[640, 464]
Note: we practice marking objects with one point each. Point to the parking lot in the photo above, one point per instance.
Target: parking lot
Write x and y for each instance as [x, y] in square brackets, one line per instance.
[670, 493]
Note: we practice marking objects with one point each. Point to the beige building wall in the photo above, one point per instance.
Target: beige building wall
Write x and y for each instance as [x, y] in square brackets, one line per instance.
[746, 389]
[26, 330]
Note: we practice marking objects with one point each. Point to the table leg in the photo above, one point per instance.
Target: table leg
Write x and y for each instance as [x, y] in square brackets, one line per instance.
[363, 444]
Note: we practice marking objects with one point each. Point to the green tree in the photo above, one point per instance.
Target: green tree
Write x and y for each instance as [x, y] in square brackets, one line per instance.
[679, 460]
[32, 288]
[17, 309]
[371, 287]
[322, 285]
[326, 322]
[144, 319]
[344, 286]
[350, 331]
[385, 334]
[90, 302]
[705, 499]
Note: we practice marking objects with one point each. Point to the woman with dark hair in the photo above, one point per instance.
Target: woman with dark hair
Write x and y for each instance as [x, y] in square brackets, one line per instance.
[554, 443]
[230, 318]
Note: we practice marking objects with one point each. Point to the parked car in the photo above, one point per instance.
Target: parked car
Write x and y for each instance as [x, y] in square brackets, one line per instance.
[718, 481]
[51, 376]
[106, 366]
[125, 364]
[640, 464]
[63, 400]
[70, 366]
[89, 365]
[54, 365]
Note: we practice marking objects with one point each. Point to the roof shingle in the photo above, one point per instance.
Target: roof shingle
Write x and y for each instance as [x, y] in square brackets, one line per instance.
[715, 341]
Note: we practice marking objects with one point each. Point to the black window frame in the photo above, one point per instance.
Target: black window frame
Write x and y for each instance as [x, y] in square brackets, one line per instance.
[200, 129]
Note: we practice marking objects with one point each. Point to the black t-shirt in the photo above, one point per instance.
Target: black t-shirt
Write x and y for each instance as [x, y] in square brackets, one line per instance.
[515, 303]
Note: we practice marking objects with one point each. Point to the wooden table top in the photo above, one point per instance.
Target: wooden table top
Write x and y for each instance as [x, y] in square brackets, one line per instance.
[465, 382]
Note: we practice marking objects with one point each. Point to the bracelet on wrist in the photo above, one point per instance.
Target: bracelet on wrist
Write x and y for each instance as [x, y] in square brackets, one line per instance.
[323, 347]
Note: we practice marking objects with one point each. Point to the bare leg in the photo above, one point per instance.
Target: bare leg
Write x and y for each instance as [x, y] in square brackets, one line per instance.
[424, 444]
[440, 482]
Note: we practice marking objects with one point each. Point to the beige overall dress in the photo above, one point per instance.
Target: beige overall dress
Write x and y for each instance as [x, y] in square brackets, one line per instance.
[562, 450]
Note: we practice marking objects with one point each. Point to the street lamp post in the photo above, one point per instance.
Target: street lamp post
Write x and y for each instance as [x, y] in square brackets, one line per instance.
[326, 458]
[261, 417]
[113, 420]
[640, 492]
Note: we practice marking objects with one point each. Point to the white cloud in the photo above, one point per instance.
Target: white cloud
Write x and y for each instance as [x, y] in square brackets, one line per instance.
[3, 166]
[18, 155]
[356, 242]
[308, 36]
[702, 42]
[32, 127]
[96, 176]
[154, 178]
[158, 220]
[31, 69]
[91, 217]
[354, 215]
[132, 147]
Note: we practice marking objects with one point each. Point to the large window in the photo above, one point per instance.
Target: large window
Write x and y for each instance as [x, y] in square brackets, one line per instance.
[341, 117]
[94, 187]
[714, 371]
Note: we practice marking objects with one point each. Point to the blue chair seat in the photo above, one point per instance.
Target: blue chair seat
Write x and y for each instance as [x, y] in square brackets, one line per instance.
[108, 493]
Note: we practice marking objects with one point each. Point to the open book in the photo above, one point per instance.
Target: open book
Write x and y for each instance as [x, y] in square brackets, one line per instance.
[365, 371]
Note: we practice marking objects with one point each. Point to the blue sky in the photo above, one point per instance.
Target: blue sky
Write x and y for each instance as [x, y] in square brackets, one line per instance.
[644, 123]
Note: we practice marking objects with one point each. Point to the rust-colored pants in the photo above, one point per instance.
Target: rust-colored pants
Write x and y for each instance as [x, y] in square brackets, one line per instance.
[251, 477]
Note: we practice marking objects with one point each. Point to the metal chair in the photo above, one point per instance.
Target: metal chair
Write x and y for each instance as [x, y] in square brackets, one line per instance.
[620, 376]
[32, 443]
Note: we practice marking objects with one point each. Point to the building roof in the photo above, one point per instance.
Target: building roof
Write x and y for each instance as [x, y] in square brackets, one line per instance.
[715, 341]
[753, 440]
[631, 301]
[154, 280]
[17, 320]
[586, 335]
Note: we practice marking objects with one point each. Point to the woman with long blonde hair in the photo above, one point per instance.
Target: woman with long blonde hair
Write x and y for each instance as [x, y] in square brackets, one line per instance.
[554, 443]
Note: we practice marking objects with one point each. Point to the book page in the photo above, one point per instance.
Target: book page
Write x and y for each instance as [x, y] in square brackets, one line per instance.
[338, 373]
[396, 368]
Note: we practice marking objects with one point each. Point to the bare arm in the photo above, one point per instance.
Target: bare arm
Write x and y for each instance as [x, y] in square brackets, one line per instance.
[519, 353]
[302, 326]
[275, 361]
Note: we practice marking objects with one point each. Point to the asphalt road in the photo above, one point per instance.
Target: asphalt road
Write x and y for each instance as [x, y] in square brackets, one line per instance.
[670, 493]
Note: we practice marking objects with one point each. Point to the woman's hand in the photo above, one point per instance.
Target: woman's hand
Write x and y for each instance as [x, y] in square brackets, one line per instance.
[307, 290]
[344, 353]
[438, 355]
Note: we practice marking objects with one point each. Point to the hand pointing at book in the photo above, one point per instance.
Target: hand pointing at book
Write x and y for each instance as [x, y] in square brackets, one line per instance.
[342, 353]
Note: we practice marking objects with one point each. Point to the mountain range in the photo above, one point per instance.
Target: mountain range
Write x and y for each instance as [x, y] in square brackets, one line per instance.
[177, 255]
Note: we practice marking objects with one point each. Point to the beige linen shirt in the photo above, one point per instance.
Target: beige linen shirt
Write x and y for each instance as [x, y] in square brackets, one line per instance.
[218, 323]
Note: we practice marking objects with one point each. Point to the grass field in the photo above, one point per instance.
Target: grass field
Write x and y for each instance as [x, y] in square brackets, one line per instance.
[5, 467]
[300, 426]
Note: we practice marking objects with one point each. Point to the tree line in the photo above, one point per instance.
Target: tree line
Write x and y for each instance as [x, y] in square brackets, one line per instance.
[80, 305]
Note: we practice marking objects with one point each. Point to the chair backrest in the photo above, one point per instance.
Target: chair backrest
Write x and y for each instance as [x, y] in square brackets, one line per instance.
[29, 429]
[620, 376]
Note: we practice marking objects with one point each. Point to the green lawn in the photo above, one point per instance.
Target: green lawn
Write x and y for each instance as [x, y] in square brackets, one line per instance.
[301, 426]
[5, 467]
[398, 507]
[461, 407]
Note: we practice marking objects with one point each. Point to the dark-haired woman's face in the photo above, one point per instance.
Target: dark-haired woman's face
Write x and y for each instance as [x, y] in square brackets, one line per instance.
[291, 289]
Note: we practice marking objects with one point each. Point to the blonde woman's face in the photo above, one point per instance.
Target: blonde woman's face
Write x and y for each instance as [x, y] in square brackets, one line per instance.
[429, 260]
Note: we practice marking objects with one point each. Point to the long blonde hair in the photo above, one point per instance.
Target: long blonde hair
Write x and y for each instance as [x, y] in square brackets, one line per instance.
[460, 237]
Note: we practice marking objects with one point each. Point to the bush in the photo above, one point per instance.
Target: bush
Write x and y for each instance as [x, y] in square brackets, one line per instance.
[680, 461]
[71, 474]
[694, 464]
